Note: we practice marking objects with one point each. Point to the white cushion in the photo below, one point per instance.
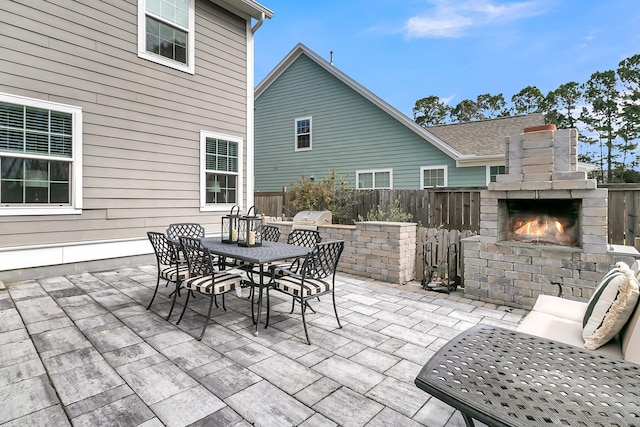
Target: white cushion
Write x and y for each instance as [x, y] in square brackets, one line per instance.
[561, 307]
[563, 330]
[630, 337]
[610, 306]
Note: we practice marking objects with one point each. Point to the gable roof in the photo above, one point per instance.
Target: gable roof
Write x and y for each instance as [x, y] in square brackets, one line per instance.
[485, 137]
[457, 141]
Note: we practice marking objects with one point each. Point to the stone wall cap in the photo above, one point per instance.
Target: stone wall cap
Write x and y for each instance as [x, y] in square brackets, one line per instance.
[539, 128]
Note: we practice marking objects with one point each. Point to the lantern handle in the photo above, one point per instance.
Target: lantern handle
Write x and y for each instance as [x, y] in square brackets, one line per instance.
[237, 211]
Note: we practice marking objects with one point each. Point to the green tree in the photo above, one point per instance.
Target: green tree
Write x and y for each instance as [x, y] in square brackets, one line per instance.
[492, 106]
[629, 117]
[528, 100]
[430, 111]
[602, 95]
[466, 111]
[562, 105]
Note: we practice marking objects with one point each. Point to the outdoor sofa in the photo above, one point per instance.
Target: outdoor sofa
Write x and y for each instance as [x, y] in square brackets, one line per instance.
[609, 323]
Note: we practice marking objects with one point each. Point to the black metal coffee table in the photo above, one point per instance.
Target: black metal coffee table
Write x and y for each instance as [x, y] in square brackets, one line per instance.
[507, 378]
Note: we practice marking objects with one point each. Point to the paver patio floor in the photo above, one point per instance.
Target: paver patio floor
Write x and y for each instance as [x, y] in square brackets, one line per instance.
[83, 350]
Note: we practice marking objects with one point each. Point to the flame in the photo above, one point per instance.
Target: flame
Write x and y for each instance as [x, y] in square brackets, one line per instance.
[541, 226]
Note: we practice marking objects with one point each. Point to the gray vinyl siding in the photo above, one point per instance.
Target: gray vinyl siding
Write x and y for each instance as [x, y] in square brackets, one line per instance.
[349, 133]
[141, 120]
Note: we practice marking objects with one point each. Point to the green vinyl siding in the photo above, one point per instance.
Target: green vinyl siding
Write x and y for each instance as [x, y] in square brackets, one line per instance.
[349, 133]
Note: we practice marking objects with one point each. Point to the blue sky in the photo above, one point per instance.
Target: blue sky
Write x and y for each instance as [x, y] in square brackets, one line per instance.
[404, 50]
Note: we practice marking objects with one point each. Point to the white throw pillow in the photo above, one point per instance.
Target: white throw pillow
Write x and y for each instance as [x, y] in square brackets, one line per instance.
[610, 306]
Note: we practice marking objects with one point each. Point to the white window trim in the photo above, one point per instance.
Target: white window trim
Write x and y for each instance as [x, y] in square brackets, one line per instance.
[426, 168]
[219, 207]
[373, 172]
[488, 177]
[189, 67]
[295, 133]
[76, 159]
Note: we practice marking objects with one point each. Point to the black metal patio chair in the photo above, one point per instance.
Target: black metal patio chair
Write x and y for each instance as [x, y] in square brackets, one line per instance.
[315, 277]
[169, 266]
[204, 277]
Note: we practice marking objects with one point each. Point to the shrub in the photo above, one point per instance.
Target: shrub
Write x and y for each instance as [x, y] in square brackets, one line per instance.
[332, 193]
[392, 213]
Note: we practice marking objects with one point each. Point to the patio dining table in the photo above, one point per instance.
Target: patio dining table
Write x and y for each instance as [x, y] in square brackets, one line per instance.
[261, 256]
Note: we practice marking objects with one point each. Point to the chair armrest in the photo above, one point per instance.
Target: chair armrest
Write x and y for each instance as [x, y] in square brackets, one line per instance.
[282, 271]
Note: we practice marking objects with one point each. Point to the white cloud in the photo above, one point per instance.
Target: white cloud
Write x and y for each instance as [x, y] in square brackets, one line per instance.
[448, 99]
[451, 19]
[588, 38]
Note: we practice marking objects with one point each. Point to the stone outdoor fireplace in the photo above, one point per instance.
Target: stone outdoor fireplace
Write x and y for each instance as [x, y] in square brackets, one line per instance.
[541, 222]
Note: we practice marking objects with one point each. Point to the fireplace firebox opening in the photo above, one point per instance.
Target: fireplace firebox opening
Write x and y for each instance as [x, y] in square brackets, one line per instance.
[552, 222]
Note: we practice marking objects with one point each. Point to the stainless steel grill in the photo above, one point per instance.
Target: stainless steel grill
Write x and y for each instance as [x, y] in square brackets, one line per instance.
[310, 220]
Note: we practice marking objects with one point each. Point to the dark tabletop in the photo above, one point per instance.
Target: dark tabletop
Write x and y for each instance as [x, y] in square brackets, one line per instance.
[507, 378]
[268, 252]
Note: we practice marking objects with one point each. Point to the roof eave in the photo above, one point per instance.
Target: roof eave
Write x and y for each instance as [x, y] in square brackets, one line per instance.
[247, 7]
[468, 161]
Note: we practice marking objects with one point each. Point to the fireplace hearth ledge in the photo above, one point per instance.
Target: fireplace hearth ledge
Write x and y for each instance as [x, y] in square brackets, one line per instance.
[624, 250]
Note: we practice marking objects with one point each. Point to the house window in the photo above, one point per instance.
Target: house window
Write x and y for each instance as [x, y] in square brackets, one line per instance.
[40, 157]
[434, 176]
[166, 32]
[303, 134]
[221, 178]
[494, 171]
[374, 179]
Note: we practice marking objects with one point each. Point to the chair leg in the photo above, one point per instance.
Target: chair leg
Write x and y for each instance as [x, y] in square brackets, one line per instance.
[154, 292]
[304, 322]
[184, 308]
[335, 309]
[206, 320]
[176, 293]
[216, 299]
[293, 304]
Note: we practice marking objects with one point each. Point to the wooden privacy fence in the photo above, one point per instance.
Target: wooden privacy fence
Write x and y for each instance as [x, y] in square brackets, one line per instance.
[623, 213]
[459, 208]
[451, 208]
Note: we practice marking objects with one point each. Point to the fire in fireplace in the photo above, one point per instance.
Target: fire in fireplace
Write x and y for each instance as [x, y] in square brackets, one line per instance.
[544, 222]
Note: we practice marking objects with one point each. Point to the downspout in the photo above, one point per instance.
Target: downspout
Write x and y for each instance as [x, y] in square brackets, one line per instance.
[258, 24]
[250, 184]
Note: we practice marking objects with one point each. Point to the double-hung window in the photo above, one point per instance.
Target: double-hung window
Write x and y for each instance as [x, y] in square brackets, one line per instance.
[493, 172]
[166, 32]
[303, 134]
[374, 179]
[40, 157]
[433, 176]
[221, 167]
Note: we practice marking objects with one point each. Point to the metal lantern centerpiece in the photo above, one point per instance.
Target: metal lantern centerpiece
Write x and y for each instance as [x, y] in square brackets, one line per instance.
[247, 229]
[230, 226]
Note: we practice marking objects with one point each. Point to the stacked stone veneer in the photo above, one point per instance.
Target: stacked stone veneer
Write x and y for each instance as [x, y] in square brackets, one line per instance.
[378, 250]
[540, 164]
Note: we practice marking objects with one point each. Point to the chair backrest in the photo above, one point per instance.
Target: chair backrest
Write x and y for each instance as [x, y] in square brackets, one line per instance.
[322, 261]
[188, 229]
[303, 237]
[198, 257]
[164, 249]
[269, 233]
